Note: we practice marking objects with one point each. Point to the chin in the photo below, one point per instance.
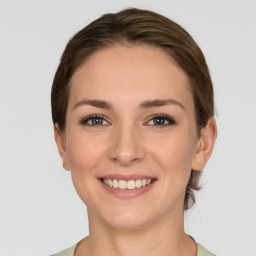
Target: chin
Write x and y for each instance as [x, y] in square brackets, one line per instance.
[128, 218]
[128, 223]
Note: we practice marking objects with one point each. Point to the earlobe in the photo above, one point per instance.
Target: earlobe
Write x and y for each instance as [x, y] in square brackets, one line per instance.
[205, 147]
[60, 141]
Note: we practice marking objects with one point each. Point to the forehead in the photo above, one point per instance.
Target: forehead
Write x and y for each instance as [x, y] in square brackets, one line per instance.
[130, 71]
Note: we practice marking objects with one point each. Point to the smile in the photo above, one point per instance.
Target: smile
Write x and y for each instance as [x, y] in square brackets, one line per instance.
[129, 184]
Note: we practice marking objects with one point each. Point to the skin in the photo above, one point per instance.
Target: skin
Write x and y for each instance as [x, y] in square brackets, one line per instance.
[128, 140]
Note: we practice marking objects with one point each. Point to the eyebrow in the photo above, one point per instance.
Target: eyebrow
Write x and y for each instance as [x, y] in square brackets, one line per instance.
[146, 104]
[159, 103]
[95, 103]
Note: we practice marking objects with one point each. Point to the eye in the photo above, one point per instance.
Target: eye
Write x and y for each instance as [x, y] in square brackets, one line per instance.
[161, 120]
[94, 120]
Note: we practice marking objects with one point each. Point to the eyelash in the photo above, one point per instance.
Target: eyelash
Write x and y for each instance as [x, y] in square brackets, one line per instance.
[92, 117]
[167, 118]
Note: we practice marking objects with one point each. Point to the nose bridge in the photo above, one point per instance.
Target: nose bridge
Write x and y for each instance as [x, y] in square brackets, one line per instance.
[126, 144]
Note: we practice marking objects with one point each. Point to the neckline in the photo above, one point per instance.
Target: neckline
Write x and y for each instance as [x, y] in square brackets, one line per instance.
[199, 247]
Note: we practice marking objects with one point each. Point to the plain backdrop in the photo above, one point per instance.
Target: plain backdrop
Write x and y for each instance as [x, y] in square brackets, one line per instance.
[40, 212]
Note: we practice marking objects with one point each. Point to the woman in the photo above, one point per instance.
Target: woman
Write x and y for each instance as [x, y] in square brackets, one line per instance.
[132, 107]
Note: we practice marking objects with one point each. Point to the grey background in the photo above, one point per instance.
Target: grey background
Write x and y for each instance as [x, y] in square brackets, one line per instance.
[40, 212]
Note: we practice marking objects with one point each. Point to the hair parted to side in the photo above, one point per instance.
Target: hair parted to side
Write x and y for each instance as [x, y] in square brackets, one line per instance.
[138, 27]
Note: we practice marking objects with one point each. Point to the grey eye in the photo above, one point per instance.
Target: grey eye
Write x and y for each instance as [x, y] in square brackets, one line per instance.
[94, 121]
[161, 121]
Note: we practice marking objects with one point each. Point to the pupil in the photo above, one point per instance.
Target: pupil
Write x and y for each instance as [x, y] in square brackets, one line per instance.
[159, 121]
[97, 121]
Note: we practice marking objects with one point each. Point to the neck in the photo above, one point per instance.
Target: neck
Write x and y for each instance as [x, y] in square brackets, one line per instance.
[165, 238]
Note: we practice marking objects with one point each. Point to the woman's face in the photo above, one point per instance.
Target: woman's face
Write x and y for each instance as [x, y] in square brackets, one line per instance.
[130, 117]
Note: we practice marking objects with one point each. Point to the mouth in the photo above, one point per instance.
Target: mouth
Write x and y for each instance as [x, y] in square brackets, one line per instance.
[127, 184]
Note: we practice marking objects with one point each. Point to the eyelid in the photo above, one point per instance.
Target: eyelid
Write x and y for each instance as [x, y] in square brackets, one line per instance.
[170, 119]
[87, 118]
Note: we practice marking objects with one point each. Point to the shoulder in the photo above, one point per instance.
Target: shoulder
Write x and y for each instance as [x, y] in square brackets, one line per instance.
[201, 251]
[68, 252]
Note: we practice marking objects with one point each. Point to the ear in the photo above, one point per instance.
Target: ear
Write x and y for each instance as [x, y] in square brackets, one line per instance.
[61, 144]
[205, 145]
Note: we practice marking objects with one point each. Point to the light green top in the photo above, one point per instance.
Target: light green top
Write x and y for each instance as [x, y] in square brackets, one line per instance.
[201, 251]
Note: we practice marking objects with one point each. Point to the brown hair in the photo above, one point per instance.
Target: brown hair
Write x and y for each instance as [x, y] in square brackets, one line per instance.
[135, 26]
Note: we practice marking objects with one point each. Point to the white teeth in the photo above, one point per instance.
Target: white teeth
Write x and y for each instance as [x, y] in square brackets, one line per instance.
[122, 184]
[105, 181]
[115, 184]
[130, 184]
[138, 183]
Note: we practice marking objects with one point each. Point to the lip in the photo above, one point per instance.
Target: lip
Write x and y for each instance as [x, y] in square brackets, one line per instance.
[127, 193]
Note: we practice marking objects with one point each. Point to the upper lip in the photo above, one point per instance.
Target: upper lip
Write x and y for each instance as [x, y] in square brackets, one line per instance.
[127, 177]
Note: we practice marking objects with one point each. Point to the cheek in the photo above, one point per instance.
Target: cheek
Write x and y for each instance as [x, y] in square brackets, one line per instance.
[85, 152]
[85, 155]
[174, 158]
[174, 152]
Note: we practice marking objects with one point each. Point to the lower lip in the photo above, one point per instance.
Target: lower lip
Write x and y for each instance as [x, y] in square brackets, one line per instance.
[127, 193]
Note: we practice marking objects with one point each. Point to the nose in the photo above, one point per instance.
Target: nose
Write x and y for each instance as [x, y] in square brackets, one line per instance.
[126, 146]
